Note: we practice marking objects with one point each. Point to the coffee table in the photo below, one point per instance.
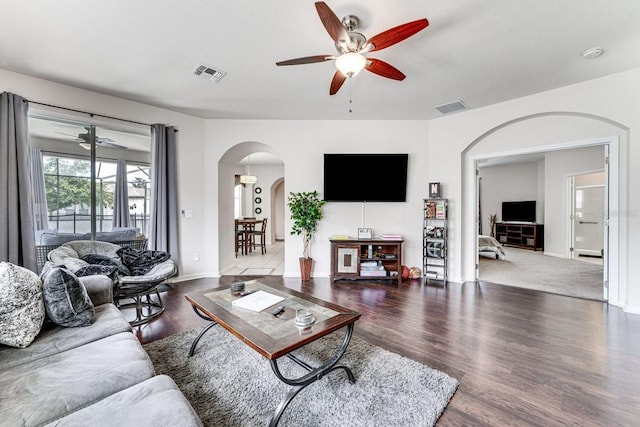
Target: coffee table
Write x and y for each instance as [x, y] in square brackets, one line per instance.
[275, 337]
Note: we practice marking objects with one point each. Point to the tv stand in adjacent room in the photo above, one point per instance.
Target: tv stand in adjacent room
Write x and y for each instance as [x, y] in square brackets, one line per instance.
[522, 235]
[352, 259]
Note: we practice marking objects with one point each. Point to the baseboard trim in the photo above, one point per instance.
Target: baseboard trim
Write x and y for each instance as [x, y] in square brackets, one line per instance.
[631, 309]
[192, 277]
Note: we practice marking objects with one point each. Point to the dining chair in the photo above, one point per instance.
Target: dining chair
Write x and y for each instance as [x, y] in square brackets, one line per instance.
[258, 237]
[241, 236]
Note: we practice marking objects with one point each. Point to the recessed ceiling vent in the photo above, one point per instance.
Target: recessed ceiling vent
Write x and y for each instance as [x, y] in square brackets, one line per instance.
[209, 73]
[451, 107]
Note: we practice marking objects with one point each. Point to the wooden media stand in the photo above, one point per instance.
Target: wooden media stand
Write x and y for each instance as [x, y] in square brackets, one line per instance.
[366, 259]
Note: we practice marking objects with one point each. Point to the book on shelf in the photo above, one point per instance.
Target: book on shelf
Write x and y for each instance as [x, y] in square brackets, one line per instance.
[391, 236]
[440, 214]
[340, 237]
[373, 273]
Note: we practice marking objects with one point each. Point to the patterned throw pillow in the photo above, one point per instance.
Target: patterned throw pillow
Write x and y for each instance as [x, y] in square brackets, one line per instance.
[21, 305]
[66, 300]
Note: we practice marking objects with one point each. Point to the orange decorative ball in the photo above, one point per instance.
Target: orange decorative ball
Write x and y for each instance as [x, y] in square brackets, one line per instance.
[405, 272]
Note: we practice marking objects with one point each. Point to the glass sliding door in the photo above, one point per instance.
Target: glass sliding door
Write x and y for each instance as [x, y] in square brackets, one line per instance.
[80, 166]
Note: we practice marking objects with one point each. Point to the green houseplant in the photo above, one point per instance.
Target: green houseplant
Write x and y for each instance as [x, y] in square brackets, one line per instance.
[306, 212]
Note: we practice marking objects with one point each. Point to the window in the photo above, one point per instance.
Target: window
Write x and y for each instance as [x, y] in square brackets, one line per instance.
[69, 176]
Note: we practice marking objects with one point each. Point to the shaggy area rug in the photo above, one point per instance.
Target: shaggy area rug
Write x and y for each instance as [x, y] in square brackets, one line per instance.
[229, 384]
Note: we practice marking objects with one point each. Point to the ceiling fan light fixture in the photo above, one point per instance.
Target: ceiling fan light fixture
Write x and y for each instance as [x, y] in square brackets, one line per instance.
[350, 63]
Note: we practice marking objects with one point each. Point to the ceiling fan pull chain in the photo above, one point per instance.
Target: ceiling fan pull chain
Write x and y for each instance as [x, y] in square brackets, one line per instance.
[350, 101]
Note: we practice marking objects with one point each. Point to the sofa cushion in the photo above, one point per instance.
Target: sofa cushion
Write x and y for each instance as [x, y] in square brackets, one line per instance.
[56, 238]
[66, 300]
[54, 339]
[154, 402]
[35, 393]
[141, 262]
[21, 305]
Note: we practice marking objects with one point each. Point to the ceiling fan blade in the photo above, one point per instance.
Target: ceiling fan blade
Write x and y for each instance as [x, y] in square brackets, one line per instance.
[332, 23]
[336, 82]
[383, 69]
[396, 34]
[67, 134]
[306, 60]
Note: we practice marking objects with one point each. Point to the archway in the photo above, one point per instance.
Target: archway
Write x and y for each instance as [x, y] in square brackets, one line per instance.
[541, 133]
[228, 167]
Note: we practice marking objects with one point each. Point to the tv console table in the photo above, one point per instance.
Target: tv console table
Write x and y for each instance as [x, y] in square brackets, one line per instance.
[366, 259]
[522, 235]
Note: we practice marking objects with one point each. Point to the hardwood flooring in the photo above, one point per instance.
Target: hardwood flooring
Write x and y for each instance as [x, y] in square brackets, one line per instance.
[523, 358]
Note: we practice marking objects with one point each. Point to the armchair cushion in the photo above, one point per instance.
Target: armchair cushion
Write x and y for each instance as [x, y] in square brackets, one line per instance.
[21, 306]
[66, 300]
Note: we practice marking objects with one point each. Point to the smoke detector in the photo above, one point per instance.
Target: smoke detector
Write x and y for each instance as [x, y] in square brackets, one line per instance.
[209, 73]
[594, 52]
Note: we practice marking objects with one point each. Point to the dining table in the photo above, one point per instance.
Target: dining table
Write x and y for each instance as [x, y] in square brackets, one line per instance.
[246, 225]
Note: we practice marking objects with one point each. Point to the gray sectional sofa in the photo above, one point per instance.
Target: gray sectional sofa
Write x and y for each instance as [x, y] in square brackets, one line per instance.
[96, 375]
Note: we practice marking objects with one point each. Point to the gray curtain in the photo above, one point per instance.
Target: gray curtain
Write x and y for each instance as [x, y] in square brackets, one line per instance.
[17, 237]
[40, 213]
[121, 217]
[163, 225]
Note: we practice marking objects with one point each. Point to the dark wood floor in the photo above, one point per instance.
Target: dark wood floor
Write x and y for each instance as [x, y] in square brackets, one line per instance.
[522, 357]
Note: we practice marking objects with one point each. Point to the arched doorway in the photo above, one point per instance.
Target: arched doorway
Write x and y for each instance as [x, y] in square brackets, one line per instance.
[256, 199]
[541, 133]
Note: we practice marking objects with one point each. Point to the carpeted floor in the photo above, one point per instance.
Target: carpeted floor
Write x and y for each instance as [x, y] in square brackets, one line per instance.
[229, 384]
[534, 270]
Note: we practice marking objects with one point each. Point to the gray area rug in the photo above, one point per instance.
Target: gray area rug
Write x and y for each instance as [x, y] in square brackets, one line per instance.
[534, 270]
[229, 384]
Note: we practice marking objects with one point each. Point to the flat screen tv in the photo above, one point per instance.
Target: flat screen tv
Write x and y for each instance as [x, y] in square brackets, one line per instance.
[524, 211]
[365, 177]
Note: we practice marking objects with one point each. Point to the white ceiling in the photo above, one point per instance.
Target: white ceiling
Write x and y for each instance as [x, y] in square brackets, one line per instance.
[479, 51]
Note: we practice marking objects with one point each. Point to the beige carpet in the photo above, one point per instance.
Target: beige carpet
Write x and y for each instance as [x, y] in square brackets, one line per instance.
[534, 270]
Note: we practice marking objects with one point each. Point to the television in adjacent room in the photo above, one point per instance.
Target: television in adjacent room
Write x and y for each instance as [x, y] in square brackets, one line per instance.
[365, 177]
[522, 211]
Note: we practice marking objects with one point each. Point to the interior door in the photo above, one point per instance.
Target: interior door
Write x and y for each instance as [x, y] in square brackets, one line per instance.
[588, 221]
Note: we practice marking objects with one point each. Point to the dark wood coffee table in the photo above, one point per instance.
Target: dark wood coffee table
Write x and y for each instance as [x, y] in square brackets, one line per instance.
[274, 337]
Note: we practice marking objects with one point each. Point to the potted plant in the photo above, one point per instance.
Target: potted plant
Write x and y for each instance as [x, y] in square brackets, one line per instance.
[306, 212]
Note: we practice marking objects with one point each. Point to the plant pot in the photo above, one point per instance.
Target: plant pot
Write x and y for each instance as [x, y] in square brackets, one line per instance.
[305, 268]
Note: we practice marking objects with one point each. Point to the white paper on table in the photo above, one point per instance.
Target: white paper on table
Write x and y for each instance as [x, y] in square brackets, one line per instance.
[257, 301]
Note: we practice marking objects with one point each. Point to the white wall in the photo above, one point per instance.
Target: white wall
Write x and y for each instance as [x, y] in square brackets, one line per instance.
[602, 108]
[301, 145]
[507, 183]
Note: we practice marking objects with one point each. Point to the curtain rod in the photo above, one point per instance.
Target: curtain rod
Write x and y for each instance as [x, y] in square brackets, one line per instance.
[88, 113]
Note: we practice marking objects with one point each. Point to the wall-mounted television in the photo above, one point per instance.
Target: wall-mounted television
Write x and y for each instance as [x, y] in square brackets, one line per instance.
[523, 211]
[365, 177]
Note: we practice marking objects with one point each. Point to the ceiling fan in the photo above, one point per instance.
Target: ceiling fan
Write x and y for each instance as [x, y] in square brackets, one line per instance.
[351, 46]
[83, 139]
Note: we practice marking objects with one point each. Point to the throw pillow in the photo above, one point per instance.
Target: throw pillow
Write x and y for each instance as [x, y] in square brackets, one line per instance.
[66, 300]
[141, 262]
[21, 305]
[95, 259]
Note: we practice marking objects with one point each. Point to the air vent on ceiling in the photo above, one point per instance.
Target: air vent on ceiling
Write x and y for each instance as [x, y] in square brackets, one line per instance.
[451, 107]
[209, 73]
